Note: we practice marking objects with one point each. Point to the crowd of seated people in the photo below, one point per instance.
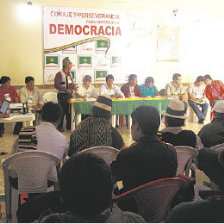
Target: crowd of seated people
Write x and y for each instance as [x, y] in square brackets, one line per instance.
[87, 183]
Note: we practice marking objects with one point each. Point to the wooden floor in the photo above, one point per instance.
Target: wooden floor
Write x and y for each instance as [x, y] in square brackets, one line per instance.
[7, 140]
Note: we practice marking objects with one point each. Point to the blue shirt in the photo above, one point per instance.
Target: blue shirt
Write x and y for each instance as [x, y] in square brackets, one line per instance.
[152, 91]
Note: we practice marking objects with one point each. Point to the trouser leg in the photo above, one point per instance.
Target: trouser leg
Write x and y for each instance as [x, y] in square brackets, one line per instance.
[196, 109]
[204, 110]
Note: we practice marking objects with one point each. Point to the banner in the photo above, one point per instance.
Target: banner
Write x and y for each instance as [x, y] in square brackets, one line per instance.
[98, 42]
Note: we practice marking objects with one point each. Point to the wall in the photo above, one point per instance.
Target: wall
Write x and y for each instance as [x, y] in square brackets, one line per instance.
[201, 41]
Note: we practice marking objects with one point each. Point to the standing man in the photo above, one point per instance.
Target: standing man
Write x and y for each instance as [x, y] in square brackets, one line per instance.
[63, 82]
[110, 89]
[214, 90]
[196, 98]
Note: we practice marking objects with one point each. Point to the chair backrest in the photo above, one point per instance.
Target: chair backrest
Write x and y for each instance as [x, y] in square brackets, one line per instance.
[184, 154]
[153, 199]
[218, 148]
[107, 153]
[33, 169]
[50, 97]
[15, 146]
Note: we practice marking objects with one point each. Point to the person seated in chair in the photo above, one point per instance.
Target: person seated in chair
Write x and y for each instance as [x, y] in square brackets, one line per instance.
[96, 130]
[148, 158]
[210, 209]
[213, 133]
[45, 137]
[149, 89]
[86, 191]
[196, 99]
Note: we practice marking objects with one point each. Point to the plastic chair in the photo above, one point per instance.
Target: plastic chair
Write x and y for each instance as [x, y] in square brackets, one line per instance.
[184, 155]
[50, 97]
[107, 153]
[218, 148]
[153, 200]
[15, 146]
[33, 170]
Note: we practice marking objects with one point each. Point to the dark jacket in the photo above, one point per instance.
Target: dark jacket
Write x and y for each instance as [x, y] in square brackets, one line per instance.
[213, 134]
[126, 91]
[146, 160]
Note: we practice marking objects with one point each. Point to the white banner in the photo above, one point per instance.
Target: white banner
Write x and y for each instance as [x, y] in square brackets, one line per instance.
[98, 42]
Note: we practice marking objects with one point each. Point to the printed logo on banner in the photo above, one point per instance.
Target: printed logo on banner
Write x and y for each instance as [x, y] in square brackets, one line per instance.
[100, 76]
[101, 46]
[85, 61]
[52, 61]
[115, 61]
[70, 50]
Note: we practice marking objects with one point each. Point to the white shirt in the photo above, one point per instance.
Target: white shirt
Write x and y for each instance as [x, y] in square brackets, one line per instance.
[104, 90]
[50, 140]
[90, 92]
[197, 91]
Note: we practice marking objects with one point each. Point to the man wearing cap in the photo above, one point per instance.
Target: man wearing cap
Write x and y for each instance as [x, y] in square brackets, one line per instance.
[110, 89]
[63, 82]
[196, 98]
[148, 158]
[96, 130]
[86, 90]
[175, 116]
[213, 134]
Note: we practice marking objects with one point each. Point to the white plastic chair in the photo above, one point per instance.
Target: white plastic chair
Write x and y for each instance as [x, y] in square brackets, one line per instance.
[15, 146]
[50, 97]
[107, 153]
[218, 148]
[33, 170]
[184, 154]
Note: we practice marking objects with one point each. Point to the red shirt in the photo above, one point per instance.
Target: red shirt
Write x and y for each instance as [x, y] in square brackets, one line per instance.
[11, 91]
[215, 90]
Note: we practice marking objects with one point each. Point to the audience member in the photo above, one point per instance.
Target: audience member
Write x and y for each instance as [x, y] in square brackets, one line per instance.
[96, 130]
[86, 90]
[148, 158]
[213, 133]
[149, 89]
[110, 89]
[214, 90]
[131, 89]
[45, 137]
[86, 190]
[63, 82]
[175, 87]
[8, 92]
[196, 98]
[210, 209]
[175, 116]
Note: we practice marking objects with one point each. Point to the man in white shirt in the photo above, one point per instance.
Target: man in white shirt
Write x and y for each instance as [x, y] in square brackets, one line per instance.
[86, 90]
[110, 89]
[196, 98]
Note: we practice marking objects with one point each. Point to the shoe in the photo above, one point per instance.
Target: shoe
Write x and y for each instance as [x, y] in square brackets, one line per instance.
[201, 121]
[61, 129]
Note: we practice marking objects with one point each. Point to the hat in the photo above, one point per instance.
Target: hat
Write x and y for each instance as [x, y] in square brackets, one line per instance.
[66, 61]
[87, 78]
[103, 102]
[219, 107]
[176, 109]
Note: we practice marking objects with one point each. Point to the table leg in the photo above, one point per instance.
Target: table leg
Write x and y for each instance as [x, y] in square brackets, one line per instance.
[113, 121]
[78, 119]
[72, 118]
[129, 121]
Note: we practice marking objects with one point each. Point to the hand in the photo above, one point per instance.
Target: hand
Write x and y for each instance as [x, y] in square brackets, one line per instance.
[119, 96]
[4, 115]
[181, 97]
[35, 107]
[84, 97]
[68, 91]
[75, 88]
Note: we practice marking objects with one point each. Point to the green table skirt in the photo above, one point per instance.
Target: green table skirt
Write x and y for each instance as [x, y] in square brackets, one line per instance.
[121, 107]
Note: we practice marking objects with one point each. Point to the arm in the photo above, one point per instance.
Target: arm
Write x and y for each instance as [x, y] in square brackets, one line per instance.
[57, 82]
[118, 93]
[22, 95]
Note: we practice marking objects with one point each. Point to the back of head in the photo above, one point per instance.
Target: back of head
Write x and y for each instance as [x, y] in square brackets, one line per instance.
[148, 119]
[51, 112]
[218, 108]
[86, 185]
[186, 138]
[4, 79]
[102, 107]
[28, 79]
